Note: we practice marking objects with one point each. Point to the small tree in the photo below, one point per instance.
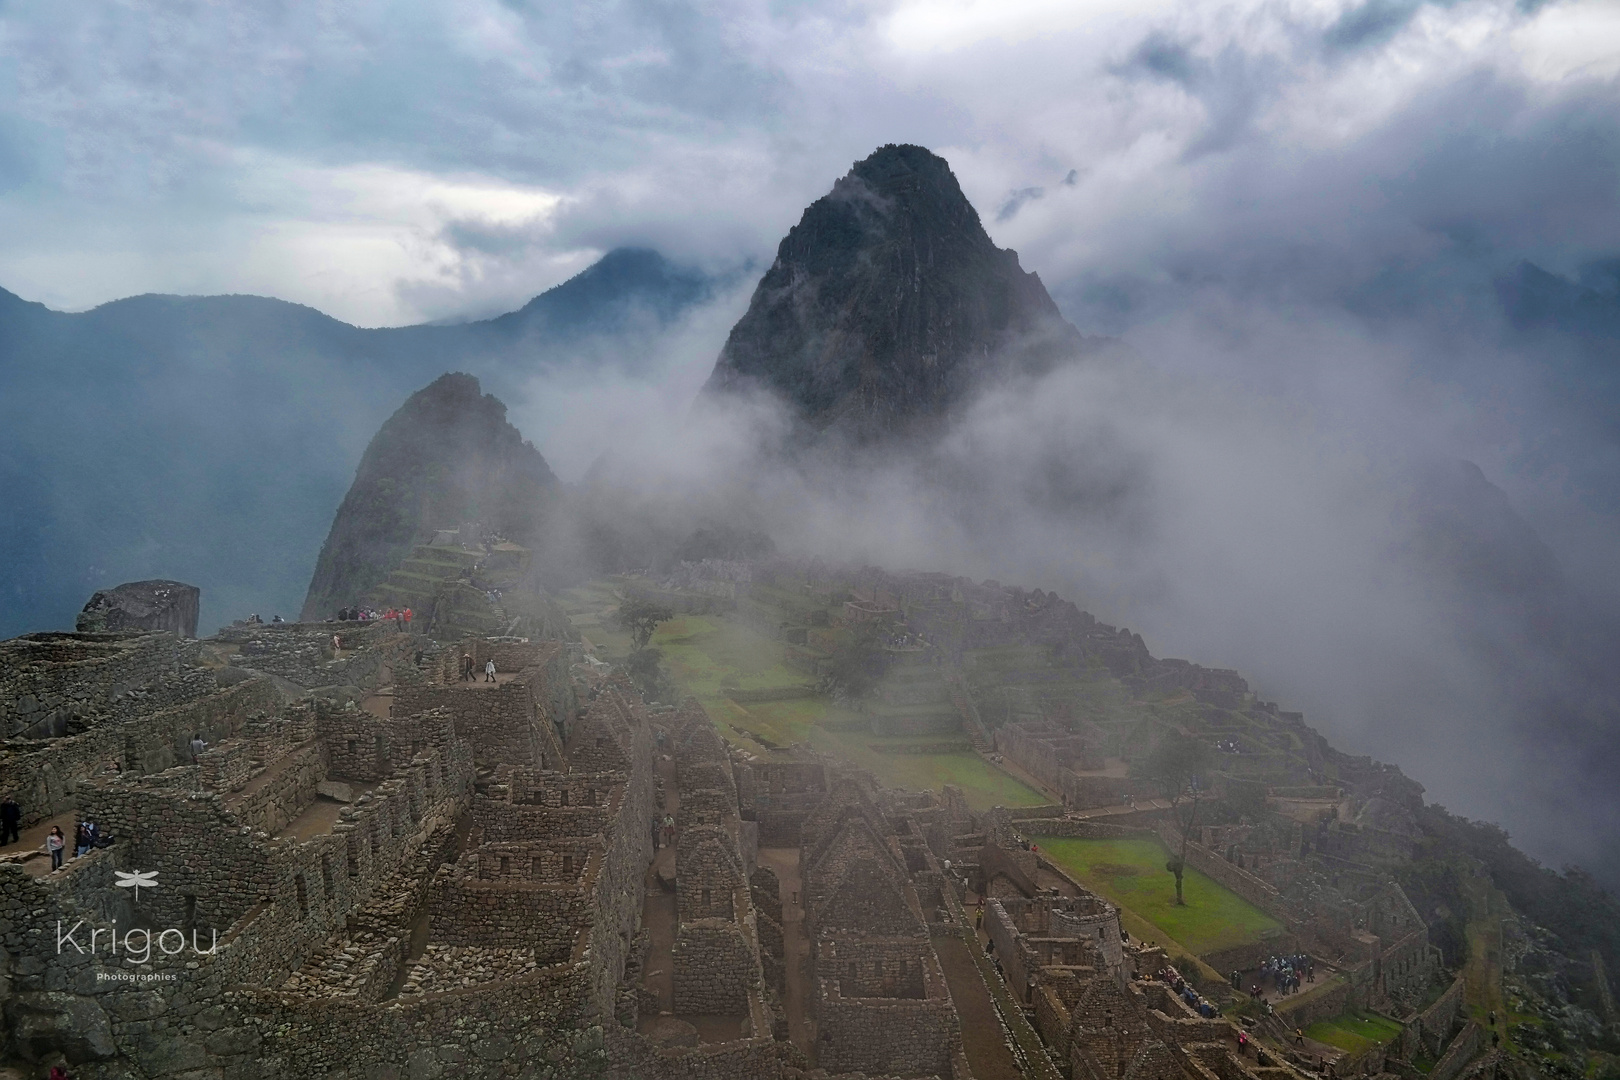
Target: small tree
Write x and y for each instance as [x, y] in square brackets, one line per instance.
[1175, 766]
[649, 675]
[641, 617]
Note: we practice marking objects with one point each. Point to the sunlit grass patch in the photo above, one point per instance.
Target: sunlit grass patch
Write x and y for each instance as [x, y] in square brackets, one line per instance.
[1354, 1032]
[1131, 873]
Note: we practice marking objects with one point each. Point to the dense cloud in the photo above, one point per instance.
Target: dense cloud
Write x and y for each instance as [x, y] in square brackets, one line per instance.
[1301, 216]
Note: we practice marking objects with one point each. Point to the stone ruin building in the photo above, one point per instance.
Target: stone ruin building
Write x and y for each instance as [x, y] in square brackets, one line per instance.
[378, 869]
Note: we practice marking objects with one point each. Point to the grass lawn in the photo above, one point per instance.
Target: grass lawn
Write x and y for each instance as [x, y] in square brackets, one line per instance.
[1354, 1032]
[1130, 872]
[705, 653]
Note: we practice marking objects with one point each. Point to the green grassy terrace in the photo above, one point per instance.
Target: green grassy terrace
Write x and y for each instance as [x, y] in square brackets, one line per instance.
[1130, 872]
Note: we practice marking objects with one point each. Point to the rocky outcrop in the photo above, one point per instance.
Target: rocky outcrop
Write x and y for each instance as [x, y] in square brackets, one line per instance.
[447, 457]
[887, 303]
[143, 605]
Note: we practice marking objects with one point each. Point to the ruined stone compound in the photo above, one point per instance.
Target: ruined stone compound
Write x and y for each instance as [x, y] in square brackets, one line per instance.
[377, 869]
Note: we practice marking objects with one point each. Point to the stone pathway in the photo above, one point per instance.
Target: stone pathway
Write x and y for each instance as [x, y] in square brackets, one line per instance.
[33, 841]
[658, 913]
[983, 1040]
[796, 945]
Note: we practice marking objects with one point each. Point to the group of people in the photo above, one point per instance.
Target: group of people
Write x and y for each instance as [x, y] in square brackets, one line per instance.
[663, 831]
[1287, 973]
[1228, 746]
[86, 836]
[469, 669]
[400, 617]
[1192, 998]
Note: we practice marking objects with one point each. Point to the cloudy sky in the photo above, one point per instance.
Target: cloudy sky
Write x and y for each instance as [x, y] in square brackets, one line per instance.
[1296, 211]
[395, 162]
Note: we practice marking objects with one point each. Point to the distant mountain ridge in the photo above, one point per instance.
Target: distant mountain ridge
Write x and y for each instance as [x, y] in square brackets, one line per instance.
[211, 438]
[887, 303]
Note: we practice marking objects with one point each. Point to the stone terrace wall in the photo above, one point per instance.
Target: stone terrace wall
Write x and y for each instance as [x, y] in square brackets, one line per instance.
[45, 775]
[486, 1031]
[1429, 1033]
[714, 968]
[550, 919]
[364, 747]
[167, 823]
[501, 723]
[271, 806]
[502, 822]
[301, 653]
[46, 679]
[884, 1035]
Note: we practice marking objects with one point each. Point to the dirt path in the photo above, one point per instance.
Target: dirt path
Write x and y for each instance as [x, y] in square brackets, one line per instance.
[658, 913]
[795, 946]
[982, 1037]
[1483, 972]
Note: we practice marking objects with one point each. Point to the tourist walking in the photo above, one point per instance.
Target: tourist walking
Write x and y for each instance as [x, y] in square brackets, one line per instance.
[54, 843]
[489, 671]
[466, 666]
[81, 839]
[197, 745]
[10, 821]
[407, 618]
[657, 827]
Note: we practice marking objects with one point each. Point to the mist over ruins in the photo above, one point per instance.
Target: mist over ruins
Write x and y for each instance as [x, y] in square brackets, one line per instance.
[650, 776]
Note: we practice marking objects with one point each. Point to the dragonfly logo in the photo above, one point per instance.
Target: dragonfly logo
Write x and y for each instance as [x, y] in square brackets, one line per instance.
[135, 946]
[136, 879]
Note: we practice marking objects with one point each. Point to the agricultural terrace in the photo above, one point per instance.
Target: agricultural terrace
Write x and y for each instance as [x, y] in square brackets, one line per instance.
[711, 658]
[1130, 872]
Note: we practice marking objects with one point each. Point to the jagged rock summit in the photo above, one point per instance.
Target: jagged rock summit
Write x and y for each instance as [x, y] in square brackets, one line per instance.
[887, 303]
[446, 458]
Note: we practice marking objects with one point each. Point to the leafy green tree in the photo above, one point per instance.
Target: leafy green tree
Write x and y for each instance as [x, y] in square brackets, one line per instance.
[1176, 766]
[641, 617]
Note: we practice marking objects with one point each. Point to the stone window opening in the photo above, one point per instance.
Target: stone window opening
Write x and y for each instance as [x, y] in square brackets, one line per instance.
[191, 910]
[567, 865]
[705, 900]
[351, 744]
[303, 896]
[326, 873]
[590, 796]
[564, 795]
[537, 868]
[506, 863]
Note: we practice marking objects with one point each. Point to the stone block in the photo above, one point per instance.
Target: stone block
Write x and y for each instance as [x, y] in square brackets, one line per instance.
[335, 789]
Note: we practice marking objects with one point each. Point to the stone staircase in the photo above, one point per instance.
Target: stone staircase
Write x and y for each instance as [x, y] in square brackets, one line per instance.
[430, 583]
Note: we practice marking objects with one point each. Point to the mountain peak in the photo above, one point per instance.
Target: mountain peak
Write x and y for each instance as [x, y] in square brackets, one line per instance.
[448, 456]
[887, 303]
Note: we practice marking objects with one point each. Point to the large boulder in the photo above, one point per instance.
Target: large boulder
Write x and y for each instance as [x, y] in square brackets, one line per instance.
[143, 605]
[43, 1024]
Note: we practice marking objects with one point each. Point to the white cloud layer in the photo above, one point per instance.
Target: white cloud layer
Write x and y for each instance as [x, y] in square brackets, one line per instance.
[1294, 210]
[431, 159]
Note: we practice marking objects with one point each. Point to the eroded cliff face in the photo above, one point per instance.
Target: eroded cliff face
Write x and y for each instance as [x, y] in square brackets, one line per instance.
[448, 456]
[887, 303]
